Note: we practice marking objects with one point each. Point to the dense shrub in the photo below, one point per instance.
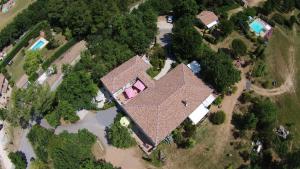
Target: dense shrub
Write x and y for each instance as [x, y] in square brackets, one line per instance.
[40, 137]
[218, 117]
[119, 136]
[239, 47]
[18, 159]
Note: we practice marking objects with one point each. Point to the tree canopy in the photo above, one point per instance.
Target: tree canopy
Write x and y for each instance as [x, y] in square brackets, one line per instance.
[29, 104]
[186, 41]
[219, 71]
[18, 159]
[33, 59]
[72, 91]
[239, 47]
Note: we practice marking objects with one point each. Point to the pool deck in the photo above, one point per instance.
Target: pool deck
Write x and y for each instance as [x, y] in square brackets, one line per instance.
[266, 28]
[41, 39]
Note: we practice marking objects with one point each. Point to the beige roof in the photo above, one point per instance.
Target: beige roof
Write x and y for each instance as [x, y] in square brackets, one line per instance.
[207, 17]
[128, 71]
[159, 110]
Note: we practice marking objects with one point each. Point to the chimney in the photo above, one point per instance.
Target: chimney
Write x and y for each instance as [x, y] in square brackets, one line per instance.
[185, 103]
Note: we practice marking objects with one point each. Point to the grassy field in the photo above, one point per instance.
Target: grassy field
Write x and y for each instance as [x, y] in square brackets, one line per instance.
[16, 68]
[203, 155]
[9, 16]
[289, 104]
[277, 55]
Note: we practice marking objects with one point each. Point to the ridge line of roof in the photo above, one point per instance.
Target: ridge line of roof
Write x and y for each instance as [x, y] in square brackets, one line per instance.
[135, 61]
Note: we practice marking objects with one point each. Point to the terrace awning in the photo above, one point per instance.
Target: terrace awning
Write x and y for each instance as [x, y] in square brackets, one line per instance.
[130, 93]
[139, 85]
[198, 114]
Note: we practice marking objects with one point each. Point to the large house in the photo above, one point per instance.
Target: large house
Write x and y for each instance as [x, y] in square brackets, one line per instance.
[158, 107]
[208, 18]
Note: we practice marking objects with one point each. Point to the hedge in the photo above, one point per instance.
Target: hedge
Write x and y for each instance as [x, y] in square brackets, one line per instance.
[23, 42]
[59, 52]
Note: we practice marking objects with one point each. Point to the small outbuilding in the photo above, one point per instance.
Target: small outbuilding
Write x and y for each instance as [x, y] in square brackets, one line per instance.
[208, 18]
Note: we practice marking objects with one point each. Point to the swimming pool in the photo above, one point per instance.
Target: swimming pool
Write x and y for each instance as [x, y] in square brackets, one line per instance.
[39, 44]
[257, 26]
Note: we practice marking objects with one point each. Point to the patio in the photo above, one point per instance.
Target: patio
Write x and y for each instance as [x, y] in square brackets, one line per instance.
[131, 91]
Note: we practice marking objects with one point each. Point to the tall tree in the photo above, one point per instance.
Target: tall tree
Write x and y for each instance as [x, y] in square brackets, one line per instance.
[29, 104]
[185, 7]
[78, 90]
[186, 41]
[219, 71]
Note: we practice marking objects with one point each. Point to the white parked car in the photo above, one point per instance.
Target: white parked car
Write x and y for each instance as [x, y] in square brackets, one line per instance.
[170, 19]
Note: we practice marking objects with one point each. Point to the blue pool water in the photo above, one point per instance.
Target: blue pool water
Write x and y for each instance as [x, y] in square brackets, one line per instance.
[38, 45]
[257, 26]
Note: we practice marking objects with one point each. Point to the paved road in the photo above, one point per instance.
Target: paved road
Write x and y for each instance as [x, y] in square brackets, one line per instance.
[164, 39]
[26, 147]
[164, 31]
[94, 122]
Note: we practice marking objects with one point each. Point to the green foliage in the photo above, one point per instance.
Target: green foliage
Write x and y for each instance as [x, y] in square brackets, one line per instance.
[108, 105]
[244, 122]
[58, 53]
[18, 159]
[53, 118]
[266, 112]
[157, 57]
[239, 47]
[39, 138]
[259, 69]
[77, 89]
[184, 135]
[90, 164]
[218, 117]
[30, 103]
[119, 136]
[219, 71]
[186, 41]
[218, 100]
[185, 7]
[68, 150]
[33, 59]
[38, 164]
[226, 27]
[65, 151]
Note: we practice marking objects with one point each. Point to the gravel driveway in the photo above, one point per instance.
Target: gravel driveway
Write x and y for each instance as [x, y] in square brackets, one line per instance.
[164, 31]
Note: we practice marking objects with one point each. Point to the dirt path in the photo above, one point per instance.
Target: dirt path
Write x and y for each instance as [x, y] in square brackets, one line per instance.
[234, 11]
[288, 85]
[224, 132]
[253, 3]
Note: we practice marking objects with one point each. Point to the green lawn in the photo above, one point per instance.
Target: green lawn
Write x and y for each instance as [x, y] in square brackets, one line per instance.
[277, 55]
[16, 68]
[6, 18]
[289, 104]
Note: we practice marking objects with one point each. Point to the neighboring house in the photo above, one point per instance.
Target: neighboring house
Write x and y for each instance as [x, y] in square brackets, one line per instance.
[208, 18]
[245, 3]
[9, 4]
[3, 85]
[158, 107]
[4, 91]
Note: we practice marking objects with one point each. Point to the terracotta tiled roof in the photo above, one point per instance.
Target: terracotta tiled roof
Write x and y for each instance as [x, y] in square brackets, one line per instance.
[207, 17]
[127, 72]
[159, 110]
